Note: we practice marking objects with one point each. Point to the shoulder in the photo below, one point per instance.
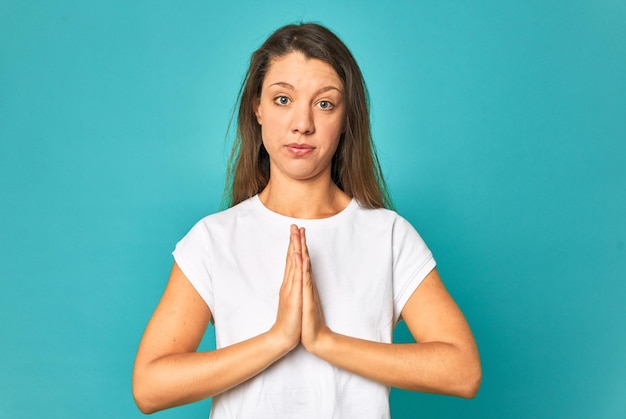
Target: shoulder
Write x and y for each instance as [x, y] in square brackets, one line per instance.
[388, 222]
[381, 216]
[243, 209]
[222, 222]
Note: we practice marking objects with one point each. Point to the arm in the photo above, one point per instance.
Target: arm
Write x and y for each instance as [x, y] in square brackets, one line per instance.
[169, 372]
[444, 361]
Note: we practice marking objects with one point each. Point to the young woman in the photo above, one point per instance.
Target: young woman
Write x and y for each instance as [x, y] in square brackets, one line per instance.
[309, 335]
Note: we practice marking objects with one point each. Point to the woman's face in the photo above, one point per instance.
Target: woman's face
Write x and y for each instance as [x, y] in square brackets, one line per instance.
[301, 112]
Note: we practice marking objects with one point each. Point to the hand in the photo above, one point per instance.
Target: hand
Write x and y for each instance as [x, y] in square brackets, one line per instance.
[289, 318]
[314, 327]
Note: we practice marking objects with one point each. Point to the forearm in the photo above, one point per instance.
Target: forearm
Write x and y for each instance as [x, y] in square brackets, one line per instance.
[433, 367]
[182, 378]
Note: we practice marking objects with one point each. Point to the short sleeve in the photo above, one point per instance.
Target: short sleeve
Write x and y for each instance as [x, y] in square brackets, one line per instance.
[412, 262]
[192, 255]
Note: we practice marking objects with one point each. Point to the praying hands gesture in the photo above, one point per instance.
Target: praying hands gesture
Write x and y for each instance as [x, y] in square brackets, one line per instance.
[444, 361]
[300, 318]
[169, 371]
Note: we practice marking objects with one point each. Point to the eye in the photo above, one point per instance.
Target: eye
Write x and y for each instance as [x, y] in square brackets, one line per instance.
[325, 105]
[281, 100]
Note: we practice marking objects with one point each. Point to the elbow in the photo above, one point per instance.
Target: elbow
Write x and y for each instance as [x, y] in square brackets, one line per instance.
[144, 408]
[143, 396]
[470, 374]
[143, 402]
[468, 388]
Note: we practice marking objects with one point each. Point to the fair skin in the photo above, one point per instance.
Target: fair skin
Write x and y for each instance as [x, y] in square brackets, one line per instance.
[301, 112]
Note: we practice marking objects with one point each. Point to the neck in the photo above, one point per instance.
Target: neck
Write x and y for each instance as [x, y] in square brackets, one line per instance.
[304, 199]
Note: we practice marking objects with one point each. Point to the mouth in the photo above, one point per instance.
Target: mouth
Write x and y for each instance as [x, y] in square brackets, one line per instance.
[299, 149]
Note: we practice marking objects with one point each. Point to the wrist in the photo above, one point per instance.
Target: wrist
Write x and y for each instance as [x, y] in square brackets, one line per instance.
[280, 342]
[322, 344]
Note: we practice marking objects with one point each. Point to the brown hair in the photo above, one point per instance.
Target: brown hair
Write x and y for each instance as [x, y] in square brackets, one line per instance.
[355, 166]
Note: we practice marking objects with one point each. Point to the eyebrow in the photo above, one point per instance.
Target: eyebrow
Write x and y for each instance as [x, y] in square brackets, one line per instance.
[290, 87]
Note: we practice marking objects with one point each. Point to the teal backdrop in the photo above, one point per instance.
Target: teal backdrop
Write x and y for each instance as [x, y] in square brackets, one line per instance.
[501, 127]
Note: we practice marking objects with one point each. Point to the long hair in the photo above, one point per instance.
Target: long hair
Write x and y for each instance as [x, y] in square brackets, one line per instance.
[355, 166]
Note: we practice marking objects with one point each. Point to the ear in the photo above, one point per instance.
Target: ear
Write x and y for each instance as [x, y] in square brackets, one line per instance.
[257, 110]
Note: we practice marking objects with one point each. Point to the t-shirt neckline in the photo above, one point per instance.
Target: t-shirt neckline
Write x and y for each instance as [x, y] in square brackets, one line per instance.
[283, 219]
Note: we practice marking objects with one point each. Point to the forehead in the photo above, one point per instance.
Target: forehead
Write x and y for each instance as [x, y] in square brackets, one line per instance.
[299, 71]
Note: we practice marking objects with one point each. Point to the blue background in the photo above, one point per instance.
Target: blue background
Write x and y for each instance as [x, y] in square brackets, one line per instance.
[501, 127]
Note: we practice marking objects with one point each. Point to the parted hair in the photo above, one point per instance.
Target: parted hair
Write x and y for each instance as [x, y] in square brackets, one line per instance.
[355, 166]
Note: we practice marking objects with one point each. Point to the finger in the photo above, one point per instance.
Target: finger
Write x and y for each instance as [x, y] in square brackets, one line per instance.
[296, 261]
[306, 260]
[303, 246]
[290, 261]
[297, 254]
[297, 247]
[296, 239]
[290, 248]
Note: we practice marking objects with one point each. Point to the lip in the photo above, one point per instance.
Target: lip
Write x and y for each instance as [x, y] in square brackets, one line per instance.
[299, 150]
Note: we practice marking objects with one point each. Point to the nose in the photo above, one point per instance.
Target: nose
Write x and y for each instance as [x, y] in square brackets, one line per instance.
[302, 119]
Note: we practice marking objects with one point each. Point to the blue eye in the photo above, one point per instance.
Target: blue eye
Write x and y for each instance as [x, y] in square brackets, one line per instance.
[325, 105]
[282, 100]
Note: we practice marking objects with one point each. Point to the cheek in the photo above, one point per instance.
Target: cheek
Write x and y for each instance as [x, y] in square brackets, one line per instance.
[275, 128]
[271, 120]
[334, 128]
[270, 136]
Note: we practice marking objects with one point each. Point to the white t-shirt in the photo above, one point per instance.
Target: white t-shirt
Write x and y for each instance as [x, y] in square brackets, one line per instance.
[366, 264]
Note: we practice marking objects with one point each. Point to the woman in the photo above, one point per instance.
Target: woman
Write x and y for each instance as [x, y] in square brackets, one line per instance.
[308, 336]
